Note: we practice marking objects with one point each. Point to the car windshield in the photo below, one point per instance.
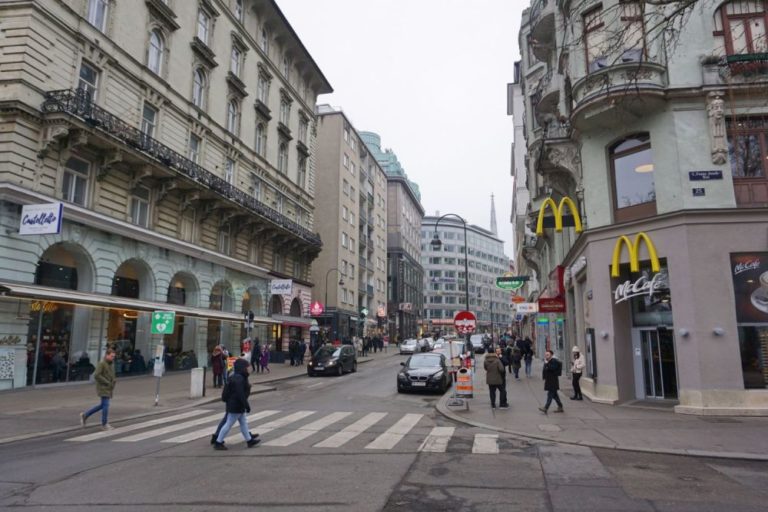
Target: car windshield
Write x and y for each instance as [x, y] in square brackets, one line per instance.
[424, 361]
[327, 353]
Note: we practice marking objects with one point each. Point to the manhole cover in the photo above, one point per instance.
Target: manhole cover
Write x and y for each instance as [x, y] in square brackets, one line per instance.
[550, 428]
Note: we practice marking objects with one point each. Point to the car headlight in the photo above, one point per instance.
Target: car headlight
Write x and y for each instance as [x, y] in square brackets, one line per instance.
[402, 376]
[438, 375]
[331, 363]
[311, 363]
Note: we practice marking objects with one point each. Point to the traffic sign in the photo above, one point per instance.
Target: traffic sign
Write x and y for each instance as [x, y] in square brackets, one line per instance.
[163, 322]
[316, 309]
[465, 322]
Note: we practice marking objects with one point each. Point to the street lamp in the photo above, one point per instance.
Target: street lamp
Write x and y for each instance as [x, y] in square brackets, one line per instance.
[436, 244]
[341, 283]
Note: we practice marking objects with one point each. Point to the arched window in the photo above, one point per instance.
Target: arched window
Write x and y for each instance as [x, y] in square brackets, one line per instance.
[198, 88]
[261, 139]
[740, 27]
[233, 116]
[632, 168]
[156, 50]
[282, 157]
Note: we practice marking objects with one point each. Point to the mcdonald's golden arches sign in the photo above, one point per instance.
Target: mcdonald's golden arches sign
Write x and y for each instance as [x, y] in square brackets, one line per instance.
[634, 253]
[557, 211]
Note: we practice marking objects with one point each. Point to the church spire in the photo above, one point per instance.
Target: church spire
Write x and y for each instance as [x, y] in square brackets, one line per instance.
[494, 229]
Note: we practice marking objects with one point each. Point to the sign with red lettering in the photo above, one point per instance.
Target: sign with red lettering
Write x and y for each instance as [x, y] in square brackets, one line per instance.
[465, 322]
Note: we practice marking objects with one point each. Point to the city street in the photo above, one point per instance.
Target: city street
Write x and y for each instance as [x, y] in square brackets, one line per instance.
[353, 443]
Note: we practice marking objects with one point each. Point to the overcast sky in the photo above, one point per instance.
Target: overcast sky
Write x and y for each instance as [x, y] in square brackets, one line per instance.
[430, 77]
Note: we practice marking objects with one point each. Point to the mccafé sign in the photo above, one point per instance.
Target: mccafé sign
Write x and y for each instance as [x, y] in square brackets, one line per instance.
[645, 284]
[558, 210]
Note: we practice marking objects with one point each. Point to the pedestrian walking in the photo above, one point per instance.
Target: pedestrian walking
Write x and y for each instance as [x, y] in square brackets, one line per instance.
[104, 376]
[528, 356]
[255, 353]
[264, 358]
[517, 357]
[494, 378]
[577, 367]
[506, 359]
[235, 395]
[218, 363]
[551, 375]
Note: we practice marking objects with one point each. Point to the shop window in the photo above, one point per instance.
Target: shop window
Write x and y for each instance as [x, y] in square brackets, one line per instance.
[75, 181]
[753, 343]
[632, 169]
[740, 26]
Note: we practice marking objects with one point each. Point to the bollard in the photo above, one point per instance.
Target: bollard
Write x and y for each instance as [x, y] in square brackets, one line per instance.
[196, 382]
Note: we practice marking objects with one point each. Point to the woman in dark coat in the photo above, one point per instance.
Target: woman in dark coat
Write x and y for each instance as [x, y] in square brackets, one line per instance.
[551, 375]
[236, 396]
[217, 365]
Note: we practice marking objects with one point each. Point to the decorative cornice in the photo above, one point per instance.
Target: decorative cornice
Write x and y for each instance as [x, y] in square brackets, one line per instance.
[163, 13]
[204, 52]
[236, 84]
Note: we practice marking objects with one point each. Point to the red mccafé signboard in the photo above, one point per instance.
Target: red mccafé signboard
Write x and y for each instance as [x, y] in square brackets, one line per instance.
[554, 299]
[750, 286]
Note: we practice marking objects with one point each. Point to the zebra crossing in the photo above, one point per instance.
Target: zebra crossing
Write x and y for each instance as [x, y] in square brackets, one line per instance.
[373, 431]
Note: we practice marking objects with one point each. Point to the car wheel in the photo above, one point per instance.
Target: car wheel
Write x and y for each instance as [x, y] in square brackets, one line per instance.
[339, 371]
[354, 367]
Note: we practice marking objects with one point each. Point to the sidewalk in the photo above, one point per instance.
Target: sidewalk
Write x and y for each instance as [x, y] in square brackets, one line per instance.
[32, 412]
[624, 427]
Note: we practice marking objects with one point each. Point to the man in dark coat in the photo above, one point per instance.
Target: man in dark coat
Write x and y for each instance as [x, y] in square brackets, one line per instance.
[551, 373]
[495, 379]
[235, 395]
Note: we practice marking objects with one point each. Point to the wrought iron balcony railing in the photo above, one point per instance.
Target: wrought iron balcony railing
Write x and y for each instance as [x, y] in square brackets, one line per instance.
[78, 103]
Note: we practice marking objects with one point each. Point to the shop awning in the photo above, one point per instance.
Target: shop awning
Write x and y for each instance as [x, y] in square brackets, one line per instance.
[44, 293]
[292, 321]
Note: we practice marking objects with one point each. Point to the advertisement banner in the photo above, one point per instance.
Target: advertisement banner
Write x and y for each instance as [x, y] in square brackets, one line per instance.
[40, 219]
[750, 286]
[527, 307]
[281, 286]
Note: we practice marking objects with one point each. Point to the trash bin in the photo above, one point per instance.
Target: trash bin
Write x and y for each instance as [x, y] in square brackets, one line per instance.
[464, 383]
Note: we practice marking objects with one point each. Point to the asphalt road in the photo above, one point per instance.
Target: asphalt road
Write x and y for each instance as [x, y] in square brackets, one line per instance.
[354, 444]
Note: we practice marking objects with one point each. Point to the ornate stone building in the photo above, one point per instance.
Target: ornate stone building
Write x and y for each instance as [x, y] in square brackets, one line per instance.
[180, 138]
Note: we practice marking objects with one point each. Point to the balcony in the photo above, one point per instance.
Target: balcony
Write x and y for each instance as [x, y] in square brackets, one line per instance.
[104, 129]
[542, 36]
[547, 95]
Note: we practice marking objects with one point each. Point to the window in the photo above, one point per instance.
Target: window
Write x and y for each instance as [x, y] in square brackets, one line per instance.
[633, 33]
[89, 80]
[352, 219]
[265, 40]
[203, 26]
[148, 120]
[257, 188]
[229, 171]
[187, 225]
[97, 13]
[344, 213]
[140, 206]
[633, 178]
[198, 88]
[352, 168]
[748, 154]
[352, 244]
[75, 183]
[282, 157]
[286, 67]
[238, 10]
[345, 161]
[233, 117]
[262, 89]
[594, 40]
[279, 261]
[261, 139]
[345, 187]
[285, 112]
[193, 152]
[301, 178]
[225, 239]
[741, 25]
[344, 240]
[303, 128]
[235, 60]
[156, 50]
[346, 134]
[279, 204]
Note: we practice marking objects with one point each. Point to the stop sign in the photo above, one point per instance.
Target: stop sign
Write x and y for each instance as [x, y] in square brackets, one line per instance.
[465, 322]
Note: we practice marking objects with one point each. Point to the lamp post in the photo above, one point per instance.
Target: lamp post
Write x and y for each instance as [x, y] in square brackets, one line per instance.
[341, 283]
[436, 243]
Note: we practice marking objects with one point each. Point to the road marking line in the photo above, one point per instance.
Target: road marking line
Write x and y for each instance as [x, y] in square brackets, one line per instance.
[138, 426]
[316, 385]
[308, 430]
[486, 443]
[351, 431]
[395, 433]
[272, 425]
[437, 440]
[167, 430]
[207, 432]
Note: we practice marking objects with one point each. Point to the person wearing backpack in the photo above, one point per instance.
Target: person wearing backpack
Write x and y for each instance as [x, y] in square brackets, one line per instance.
[235, 394]
[551, 375]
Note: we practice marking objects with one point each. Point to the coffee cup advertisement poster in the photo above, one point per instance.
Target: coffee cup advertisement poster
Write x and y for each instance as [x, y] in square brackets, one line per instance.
[750, 286]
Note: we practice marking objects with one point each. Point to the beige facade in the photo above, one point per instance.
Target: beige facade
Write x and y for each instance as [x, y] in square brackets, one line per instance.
[666, 137]
[180, 136]
[351, 210]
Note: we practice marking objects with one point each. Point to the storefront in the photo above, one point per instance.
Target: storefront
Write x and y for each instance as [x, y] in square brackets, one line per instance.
[750, 286]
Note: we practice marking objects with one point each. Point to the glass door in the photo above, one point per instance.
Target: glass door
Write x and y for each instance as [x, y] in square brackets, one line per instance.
[659, 367]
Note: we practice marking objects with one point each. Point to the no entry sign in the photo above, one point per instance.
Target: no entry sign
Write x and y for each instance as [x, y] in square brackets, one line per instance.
[465, 322]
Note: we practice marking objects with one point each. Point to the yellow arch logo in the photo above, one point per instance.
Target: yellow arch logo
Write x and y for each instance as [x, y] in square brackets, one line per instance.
[634, 254]
[558, 210]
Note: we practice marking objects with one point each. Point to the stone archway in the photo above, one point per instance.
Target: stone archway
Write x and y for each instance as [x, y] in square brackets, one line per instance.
[128, 331]
[295, 307]
[220, 332]
[276, 305]
[183, 290]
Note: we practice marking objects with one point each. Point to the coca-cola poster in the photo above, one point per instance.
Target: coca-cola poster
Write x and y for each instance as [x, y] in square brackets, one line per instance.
[750, 286]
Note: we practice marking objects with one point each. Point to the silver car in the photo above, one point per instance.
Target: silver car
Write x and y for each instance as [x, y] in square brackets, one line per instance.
[409, 347]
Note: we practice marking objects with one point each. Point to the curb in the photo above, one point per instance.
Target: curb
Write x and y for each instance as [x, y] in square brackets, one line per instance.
[201, 401]
[443, 409]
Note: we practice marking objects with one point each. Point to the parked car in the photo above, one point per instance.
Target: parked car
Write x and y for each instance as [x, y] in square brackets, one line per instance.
[333, 361]
[409, 347]
[481, 343]
[424, 371]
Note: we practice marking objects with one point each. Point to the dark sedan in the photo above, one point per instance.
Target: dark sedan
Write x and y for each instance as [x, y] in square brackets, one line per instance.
[333, 361]
[424, 371]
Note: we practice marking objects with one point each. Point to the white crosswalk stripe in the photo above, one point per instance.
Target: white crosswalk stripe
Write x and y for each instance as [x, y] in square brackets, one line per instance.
[167, 430]
[437, 440]
[308, 430]
[352, 431]
[486, 443]
[207, 432]
[269, 427]
[137, 426]
[395, 433]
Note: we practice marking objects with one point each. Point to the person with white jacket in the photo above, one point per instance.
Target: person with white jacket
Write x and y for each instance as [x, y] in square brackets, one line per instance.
[577, 367]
